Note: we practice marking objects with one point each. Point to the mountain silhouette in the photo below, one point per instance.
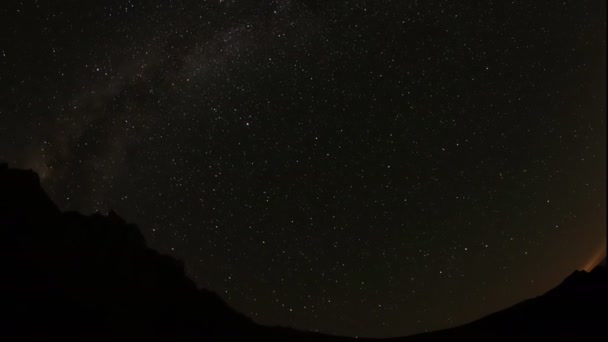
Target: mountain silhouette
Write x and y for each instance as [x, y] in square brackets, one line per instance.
[68, 274]
[576, 307]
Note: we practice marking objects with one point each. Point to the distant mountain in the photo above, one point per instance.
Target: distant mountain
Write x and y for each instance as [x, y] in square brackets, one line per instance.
[577, 307]
[63, 273]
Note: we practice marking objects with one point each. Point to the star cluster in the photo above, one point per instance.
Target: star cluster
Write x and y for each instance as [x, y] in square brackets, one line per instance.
[370, 168]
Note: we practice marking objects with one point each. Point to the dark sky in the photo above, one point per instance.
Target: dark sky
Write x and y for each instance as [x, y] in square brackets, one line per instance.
[371, 168]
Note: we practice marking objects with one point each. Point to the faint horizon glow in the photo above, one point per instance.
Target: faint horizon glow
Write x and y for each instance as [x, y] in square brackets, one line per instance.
[596, 259]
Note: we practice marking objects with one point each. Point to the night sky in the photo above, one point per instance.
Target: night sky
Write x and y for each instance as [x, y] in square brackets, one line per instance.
[370, 168]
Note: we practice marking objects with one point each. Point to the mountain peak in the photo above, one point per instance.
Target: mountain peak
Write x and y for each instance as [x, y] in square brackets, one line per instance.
[583, 275]
[77, 274]
[22, 194]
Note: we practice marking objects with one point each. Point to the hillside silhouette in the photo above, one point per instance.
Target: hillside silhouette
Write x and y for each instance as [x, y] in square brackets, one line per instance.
[577, 307]
[64, 273]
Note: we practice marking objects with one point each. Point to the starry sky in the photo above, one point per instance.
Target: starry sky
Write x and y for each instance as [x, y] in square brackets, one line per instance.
[362, 168]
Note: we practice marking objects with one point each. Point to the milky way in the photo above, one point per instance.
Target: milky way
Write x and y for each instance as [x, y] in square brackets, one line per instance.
[371, 168]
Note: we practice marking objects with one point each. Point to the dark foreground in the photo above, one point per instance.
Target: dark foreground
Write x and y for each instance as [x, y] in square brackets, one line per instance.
[64, 273]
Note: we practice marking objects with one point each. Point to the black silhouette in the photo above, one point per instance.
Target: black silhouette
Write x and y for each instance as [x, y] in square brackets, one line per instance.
[64, 273]
[577, 307]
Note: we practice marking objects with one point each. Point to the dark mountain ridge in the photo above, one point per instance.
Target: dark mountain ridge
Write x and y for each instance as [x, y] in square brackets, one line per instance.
[64, 273]
[576, 307]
